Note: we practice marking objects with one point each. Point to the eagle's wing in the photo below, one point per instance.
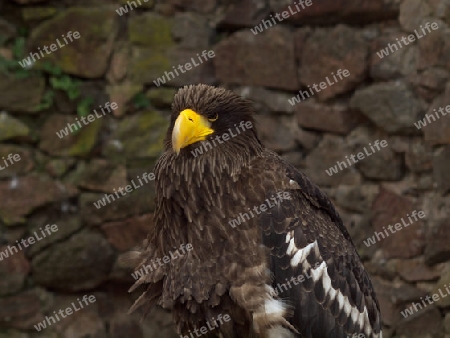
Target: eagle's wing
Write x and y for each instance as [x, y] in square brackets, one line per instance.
[332, 295]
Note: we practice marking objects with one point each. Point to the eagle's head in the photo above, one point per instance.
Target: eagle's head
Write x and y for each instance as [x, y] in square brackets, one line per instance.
[210, 117]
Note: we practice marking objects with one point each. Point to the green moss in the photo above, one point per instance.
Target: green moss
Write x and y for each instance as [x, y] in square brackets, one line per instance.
[97, 29]
[19, 94]
[11, 221]
[86, 139]
[141, 101]
[148, 65]
[38, 13]
[151, 30]
[67, 61]
[140, 136]
[11, 128]
[95, 19]
[161, 97]
[61, 166]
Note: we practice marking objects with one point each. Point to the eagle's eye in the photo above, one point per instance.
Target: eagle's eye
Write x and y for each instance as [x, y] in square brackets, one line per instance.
[214, 118]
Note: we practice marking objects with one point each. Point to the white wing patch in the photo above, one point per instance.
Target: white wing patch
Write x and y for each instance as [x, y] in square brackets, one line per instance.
[301, 254]
[320, 272]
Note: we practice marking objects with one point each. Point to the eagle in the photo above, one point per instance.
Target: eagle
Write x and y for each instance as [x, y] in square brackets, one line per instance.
[243, 244]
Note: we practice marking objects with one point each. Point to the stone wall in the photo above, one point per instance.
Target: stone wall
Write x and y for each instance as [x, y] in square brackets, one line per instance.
[119, 58]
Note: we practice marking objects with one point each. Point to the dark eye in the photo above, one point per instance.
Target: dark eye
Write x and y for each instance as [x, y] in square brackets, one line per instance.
[214, 118]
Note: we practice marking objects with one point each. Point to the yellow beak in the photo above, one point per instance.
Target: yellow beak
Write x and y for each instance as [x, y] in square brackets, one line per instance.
[189, 128]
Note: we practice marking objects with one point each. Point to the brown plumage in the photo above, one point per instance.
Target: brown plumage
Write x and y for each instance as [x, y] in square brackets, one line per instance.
[238, 269]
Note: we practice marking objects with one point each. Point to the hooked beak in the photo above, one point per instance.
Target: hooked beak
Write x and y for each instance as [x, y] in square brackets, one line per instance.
[189, 127]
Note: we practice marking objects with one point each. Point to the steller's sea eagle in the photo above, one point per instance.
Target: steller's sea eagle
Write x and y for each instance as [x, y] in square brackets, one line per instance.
[267, 254]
